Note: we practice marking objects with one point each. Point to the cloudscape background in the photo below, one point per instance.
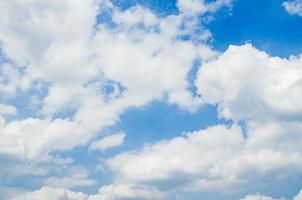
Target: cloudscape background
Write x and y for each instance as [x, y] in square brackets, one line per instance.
[151, 100]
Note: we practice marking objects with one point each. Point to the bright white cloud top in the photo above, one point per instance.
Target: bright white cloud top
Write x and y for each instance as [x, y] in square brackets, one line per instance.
[66, 76]
[250, 85]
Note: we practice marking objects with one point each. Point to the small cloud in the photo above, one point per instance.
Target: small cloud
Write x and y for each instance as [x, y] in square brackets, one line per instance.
[7, 109]
[260, 197]
[108, 142]
[293, 7]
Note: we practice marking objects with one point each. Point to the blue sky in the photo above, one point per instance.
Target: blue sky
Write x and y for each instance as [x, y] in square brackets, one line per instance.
[151, 99]
[264, 23]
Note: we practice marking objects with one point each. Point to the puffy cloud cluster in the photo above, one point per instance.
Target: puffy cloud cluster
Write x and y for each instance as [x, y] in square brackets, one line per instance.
[293, 7]
[66, 61]
[112, 193]
[248, 84]
[109, 192]
[126, 191]
[69, 63]
[217, 158]
[78, 74]
[48, 193]
[46, 45]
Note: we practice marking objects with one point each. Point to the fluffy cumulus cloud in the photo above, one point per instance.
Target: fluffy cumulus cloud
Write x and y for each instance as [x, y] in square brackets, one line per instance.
[57, 193]
[126, 191]
[44, 44]
[66, 62]
[293, 7]
[163, 160]
[247, 83]
[109, 192]
[74, 75]
[217, 158]
[47, 193]
[66, 75]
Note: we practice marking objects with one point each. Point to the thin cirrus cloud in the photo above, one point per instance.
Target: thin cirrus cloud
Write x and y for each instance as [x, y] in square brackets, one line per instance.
[66, 76]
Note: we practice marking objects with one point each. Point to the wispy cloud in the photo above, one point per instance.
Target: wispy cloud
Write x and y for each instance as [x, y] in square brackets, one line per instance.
[293, 7]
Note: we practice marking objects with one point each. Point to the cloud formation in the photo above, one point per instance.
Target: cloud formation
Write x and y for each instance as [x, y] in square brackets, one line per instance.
[248, 84]
[108, 142]
[257, 197]
[78, 74]
[217, 158]
[293, 7]
[49, 193]
[65, 61]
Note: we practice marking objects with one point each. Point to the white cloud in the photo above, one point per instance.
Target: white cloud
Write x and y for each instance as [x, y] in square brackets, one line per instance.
[48, 193]
[28, 29]
[112, 192]
[181, 155]
[108, 142]
[298, 196]
[56, 47]
[33, 138]
[257, 197]
[152, 60]
[46, 42]
[108, 192]
[135, 16]
[126, 191]
[58, 44]
[193, 7]
[7, 109]
[218, 158]
[249, 84]
[293, 7]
